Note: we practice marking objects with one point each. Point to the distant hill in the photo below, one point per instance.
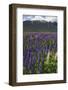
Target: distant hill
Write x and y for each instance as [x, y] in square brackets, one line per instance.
[39, 26]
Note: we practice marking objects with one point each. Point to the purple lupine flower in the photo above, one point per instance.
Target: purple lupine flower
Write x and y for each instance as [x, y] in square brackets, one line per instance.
[34, 45]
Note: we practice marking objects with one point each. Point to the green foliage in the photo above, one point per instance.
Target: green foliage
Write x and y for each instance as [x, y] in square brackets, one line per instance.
[50, 66]
[26, 71]
[36, 67]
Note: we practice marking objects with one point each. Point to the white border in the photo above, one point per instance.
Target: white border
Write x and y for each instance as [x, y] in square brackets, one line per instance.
[38, 77]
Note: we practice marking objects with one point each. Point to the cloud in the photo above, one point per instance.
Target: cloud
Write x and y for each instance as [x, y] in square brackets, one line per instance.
[40, 18]
[51, 18]
[27, 17]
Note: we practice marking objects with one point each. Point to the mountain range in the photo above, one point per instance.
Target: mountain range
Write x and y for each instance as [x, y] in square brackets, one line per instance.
[39, 26]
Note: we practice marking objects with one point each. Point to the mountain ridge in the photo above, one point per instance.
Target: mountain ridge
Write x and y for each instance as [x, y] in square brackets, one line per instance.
[39, 26]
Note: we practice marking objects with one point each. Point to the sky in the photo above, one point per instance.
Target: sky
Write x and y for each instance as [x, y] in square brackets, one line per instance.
[40, 18]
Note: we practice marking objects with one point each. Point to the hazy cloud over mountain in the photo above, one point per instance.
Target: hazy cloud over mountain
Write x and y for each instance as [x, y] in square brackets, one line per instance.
[39, 18]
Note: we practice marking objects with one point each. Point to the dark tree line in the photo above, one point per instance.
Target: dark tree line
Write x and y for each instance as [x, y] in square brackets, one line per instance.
[39, 26]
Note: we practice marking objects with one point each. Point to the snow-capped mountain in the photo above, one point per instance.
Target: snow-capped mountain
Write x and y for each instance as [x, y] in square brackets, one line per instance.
[40, 18]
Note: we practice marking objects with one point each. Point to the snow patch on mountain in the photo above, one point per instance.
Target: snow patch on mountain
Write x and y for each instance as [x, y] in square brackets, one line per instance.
[39, 18]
